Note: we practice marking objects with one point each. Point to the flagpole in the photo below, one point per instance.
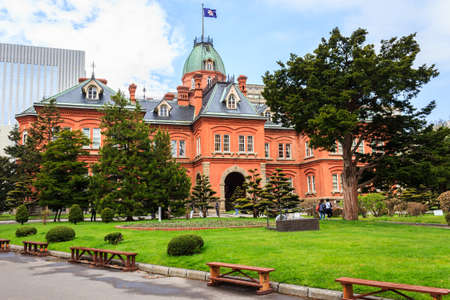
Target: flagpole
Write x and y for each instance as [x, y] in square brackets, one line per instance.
[203, 23]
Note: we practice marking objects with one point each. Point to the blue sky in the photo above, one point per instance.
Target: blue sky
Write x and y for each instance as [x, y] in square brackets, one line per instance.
[147, 41]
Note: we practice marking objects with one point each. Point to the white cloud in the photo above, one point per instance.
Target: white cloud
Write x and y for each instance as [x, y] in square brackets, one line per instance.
[129, 40]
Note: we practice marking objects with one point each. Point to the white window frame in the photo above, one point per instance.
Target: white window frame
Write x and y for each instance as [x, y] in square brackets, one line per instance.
[226, 143]
[241, 143]
[181, 148]
[192, 83]
[198, 146]
[217, 143]
[267, 150]
[250, 144]
[96, 138]
[24, 137]
[209, 80]
[163, 110]
[288, 149]
[281, 151]
[308, 150]
[87, 134]
[335, 182]
[311, 182]
[232, 102]
[92, 92]
[173, 148]
[268, 115]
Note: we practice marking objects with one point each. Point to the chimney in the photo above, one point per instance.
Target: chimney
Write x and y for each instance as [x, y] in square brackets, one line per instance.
[242, 80]
[169, 96]
[198, 93]
[183, 95]
[102, 80]
[132, 90]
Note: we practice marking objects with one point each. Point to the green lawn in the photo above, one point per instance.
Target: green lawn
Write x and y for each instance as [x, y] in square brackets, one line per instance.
[429, 219]
[371, 250]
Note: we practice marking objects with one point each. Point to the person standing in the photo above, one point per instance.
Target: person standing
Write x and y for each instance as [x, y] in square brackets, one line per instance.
[217, 209]
[322, 209]
[93, 214]
[328, 208]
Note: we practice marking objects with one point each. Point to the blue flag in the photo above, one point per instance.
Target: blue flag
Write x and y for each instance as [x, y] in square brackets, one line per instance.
[209, 13]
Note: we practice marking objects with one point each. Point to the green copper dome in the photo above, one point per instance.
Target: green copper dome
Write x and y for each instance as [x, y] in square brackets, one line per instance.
[202, 52]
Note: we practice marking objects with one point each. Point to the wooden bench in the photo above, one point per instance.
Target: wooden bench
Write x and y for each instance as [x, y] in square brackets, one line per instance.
[104, 257]
[263, 284]
[35, 248]
[4, 245]
[347, 284]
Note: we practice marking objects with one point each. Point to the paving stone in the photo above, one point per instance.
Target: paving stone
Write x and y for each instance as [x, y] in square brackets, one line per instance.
[145, 267]
[323, 294]
[177, 272]
[60, 254]
[274, 285]
[291, 289]
[160, 270]
[196, 275]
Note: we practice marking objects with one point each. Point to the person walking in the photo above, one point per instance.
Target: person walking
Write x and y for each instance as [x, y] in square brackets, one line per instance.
[93, 214]
[328, 208]
[217, 209]
[322, 209]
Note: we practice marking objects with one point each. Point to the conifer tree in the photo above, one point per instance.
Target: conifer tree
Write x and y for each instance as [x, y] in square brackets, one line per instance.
[278, 195]
[252, 198]
[203, 195]
[7, 175]
[62, 180]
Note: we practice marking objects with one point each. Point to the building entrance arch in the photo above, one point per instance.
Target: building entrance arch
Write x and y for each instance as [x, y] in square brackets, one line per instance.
[231, 179]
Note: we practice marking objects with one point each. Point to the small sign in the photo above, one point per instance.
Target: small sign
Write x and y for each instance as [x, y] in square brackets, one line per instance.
[438, 212]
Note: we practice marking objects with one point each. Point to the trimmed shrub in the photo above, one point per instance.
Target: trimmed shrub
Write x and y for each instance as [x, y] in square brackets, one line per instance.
[416, 209]
[25, 231]
[373, 203]
[107, 215]
[337, 211]
[198, 239]
[184, 245]
[22, 214]
[76, 214]
[444, 201]
[447, 218]
[60, 234]
[113, 238]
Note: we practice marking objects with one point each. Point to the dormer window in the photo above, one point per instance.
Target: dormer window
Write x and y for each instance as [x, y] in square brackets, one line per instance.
[231, 103]
[209, 65]
[163, 111]
[92, 93]
[209, 80]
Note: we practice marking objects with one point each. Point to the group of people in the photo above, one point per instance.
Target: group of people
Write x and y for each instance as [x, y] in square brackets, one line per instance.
[325, 209]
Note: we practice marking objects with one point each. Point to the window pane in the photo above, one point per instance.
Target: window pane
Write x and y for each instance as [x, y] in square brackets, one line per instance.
[96, 138]
[335, 183]
[313, 184]
[266, 150]
[288, 150]
[249, 144]
[87, 133]
[217, 145]
[280, 150]
[241, 143]
[174, 148]
[182, 150]
[226, 143]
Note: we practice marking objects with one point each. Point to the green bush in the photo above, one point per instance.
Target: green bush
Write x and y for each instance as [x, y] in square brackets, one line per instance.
[444, 201]
[22, 214]
[447, 218]
[113, 238]
[337, 212]
[374, 203]
[416, 209]
[107, 215]
[60, 234]
[76, 214]
[184, 245]
[25, 231]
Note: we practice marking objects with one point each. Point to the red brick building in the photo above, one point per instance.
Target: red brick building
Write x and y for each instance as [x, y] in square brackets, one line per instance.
[214, 128]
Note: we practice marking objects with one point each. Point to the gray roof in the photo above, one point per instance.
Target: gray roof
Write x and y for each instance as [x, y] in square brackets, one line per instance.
[179, 114]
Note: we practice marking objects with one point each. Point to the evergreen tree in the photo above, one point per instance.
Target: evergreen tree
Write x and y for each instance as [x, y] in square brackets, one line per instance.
[252, 198]
[278, 195]
[168, 183]
[62, 180]
[121, 174]
[7, 175]
[203, 195]
[347, 92]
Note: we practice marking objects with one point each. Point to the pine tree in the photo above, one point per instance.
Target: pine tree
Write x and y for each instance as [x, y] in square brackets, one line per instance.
[252, 198]
[7, 175]
[278, 194]
[62, 180]
[202, 195]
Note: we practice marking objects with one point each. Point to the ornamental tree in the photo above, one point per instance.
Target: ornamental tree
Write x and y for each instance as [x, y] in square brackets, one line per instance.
[252, 198]
[7, 174]
[347, 92]
[202, 195]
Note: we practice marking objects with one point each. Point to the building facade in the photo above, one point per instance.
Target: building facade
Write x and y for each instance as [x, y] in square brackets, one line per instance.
[215, 129]
[28, 74]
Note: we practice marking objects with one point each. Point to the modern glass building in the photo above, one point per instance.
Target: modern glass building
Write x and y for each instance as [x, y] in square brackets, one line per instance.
[28, 74]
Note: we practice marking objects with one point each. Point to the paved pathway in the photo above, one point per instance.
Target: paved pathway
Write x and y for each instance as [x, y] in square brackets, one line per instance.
[33, 278]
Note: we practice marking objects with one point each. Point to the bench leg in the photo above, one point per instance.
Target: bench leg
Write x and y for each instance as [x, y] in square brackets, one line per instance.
[436, 297]
[348, 291]
[214, 272]
[265, 284]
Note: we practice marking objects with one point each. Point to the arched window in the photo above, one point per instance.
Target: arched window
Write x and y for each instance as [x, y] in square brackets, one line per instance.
[209, 65]
[24, 137]
[231, 102]
[163, 111]
[209, 80]
[92, 92]
[192, 84]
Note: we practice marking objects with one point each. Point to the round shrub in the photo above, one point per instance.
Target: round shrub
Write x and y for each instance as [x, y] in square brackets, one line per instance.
[107, 215]
[197, 239]
[113, 238]
[22, 214]
[25, 231]
[60, 234]
[76, 214]
[183, 245]
[416, 209]
[444, 201]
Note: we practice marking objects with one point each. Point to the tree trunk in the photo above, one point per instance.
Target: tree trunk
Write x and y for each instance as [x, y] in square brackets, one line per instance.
[350, 181]
[129, 219]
